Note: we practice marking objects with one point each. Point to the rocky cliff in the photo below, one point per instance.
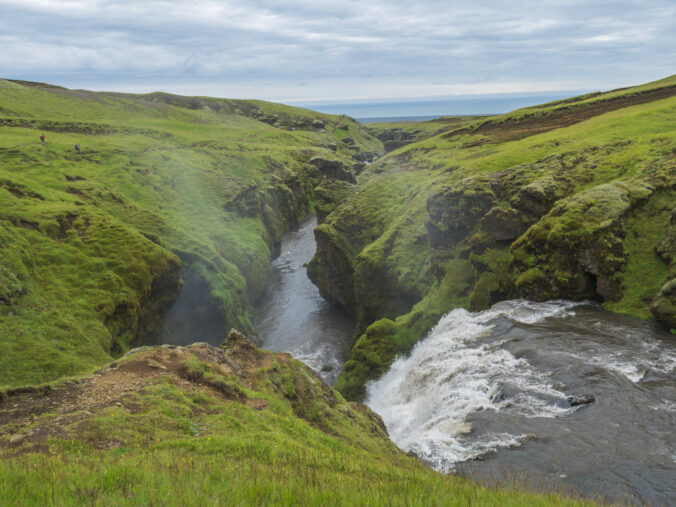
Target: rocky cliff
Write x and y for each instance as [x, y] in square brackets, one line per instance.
[572, 199]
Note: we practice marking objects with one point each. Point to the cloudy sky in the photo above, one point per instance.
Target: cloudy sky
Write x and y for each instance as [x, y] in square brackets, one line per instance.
[328, 50]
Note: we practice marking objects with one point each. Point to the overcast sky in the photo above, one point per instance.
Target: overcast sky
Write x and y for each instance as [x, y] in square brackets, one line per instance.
[344, 50]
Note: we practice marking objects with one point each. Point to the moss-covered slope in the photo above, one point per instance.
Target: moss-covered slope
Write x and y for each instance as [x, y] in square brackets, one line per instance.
[173, 204]
[204, 425]
[572, 199]
[395, 135]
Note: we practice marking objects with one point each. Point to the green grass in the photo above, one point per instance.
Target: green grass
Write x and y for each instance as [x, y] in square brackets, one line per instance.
[172, 444]
[165, 187]
[419, 130]
[242, 473]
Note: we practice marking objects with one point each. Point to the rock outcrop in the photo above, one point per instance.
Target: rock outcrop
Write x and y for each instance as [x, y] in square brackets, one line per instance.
[486, 214]
[577, 249]
[333, 169]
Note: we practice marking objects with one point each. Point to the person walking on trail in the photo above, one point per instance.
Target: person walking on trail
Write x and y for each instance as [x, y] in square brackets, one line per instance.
[42, 138]
[77, 148]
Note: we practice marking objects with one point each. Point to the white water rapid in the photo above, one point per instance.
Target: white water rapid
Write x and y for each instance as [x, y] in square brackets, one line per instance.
[425, 399]
[497, 393]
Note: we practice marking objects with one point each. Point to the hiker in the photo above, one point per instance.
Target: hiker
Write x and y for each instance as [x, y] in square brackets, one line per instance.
[42, 138]
[77, 148]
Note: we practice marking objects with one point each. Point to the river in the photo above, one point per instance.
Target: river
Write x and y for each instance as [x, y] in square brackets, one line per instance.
[487, 395]
[292, 317]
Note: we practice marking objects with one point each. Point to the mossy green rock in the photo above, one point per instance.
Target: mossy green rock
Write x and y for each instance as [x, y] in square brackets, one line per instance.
[454, 211]
[329, 194]
[577, 249]
[571, 199]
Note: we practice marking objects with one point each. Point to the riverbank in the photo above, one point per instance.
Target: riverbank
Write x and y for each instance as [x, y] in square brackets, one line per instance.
[572, 199]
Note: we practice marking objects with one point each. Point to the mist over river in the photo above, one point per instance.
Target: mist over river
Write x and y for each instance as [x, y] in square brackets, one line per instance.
[488, 394]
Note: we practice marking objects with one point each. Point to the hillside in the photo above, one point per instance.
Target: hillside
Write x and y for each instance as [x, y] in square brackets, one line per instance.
[204, 425]
[395, 135]
[174, 204]
[573, 199]
[160, 229]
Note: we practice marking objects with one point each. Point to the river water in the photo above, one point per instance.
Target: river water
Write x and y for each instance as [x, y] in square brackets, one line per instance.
[487, 394]
[292, 317]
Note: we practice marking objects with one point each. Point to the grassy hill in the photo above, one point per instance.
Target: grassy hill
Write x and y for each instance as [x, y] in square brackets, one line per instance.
[572, 199]
[395, 135]
[173, 204]
[203, 425]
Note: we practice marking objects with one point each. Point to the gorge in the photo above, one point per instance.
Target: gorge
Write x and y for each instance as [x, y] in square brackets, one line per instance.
[471, 270]
[503, 393]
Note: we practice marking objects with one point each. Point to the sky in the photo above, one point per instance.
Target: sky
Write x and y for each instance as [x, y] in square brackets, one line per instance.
[315, 51]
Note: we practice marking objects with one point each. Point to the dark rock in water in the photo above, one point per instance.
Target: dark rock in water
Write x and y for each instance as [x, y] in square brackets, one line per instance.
[498, 397]
[581, 399]
[327, 367]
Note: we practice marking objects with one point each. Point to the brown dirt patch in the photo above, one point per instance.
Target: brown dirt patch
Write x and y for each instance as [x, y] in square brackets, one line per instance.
[537, 123]
[36, 414]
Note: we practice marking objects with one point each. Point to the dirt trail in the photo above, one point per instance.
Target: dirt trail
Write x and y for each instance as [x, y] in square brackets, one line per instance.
[338, 124]
[537, 123]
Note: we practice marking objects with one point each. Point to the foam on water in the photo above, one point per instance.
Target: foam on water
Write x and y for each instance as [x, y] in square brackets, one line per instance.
[620, 355]
[427, 398]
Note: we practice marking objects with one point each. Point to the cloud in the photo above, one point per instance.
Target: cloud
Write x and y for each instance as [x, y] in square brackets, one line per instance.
[305, 49]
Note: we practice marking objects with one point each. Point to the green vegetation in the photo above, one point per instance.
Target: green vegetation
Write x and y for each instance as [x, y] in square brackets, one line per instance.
[156, 428]
[169, 195]
[162, 228]
[571, 199]
[395, 135]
